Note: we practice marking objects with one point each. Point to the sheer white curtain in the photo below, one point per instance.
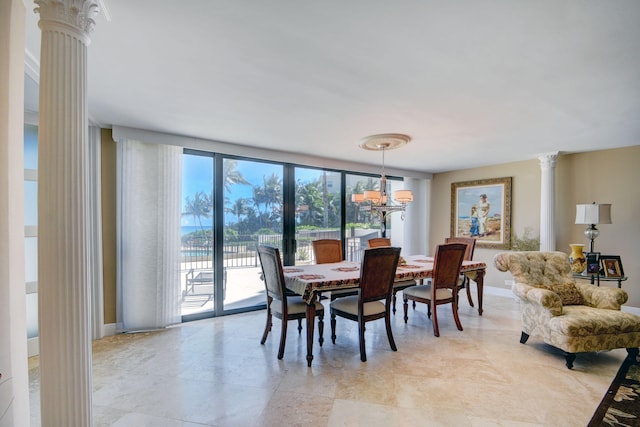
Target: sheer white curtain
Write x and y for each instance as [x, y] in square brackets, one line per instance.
[148, 248]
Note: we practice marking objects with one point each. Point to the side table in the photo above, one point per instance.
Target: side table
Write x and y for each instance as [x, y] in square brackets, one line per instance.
[597, 278]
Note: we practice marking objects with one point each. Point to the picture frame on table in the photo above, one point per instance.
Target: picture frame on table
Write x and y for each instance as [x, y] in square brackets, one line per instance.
[593, 262]
[481, 210]
[612, 266]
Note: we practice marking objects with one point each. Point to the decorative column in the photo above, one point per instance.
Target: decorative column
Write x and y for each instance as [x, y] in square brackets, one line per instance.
[63, 279]
[548, 201]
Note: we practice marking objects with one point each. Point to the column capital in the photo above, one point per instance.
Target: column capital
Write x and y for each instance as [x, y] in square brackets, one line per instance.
[548, 160]
[74, 16]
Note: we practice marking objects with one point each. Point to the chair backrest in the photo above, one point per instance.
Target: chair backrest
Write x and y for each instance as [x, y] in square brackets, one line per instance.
[327, 250]
[446, 265]
[272, 271]
[377, 242]
[536, 268]
[378, 272]
[471, 245]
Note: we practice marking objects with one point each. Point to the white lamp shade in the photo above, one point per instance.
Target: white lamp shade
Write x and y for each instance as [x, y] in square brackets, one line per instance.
[593, 214]
[357, 197]
[403, 196]
[372, 196]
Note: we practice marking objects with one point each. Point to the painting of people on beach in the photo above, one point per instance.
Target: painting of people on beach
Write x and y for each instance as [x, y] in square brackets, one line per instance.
[482, 210]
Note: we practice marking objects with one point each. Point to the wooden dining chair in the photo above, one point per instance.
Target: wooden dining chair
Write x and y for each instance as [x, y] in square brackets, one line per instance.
[399, 285]
[330, 251]
[327, 250]
[443, 288]
[376, 281]
[377, 242]
[279, 304]
[468, 256]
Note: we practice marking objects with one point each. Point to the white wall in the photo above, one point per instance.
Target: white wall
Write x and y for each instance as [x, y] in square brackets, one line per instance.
[14, 380]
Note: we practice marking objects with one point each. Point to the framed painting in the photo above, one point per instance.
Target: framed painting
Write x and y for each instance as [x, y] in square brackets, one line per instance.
[482, 210]
[612, 266]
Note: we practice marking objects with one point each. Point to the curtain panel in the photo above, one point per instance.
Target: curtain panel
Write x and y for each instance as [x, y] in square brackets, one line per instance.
[148, 224]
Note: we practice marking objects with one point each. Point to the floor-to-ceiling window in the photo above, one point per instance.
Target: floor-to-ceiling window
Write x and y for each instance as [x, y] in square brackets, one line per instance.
[253, 215]
[232, 204]
[318, 209]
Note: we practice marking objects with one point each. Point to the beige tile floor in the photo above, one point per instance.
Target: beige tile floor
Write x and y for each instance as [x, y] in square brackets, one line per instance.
[215, 373]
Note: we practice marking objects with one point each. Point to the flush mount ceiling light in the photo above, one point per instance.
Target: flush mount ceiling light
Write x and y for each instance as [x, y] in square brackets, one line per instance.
[377, 201]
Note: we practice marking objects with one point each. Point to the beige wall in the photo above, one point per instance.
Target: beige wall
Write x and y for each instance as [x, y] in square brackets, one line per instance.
[608, 176]
[109, 154]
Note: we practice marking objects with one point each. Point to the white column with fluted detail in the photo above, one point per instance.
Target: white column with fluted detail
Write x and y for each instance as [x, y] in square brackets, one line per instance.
[548, 201]
[63, 280]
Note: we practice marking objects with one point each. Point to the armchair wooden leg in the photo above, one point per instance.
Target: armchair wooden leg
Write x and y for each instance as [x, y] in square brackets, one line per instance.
[524, 337]
[570, 357]
[632, 353]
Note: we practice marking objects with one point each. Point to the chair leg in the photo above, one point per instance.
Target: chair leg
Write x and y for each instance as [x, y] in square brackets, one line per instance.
[570, 357]
[436, 330]
[321, 329]
[524, 337]
[283, 339]
[387, 320]
[333, 327]
[454, 308]
[267, 327]
[363, 354]
[632, 353]
[406, 308]
[467, 285]
[394, 302]
[299, 326]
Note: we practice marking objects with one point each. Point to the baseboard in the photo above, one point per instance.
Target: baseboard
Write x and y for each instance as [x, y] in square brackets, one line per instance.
[110, 329]
[33, 346]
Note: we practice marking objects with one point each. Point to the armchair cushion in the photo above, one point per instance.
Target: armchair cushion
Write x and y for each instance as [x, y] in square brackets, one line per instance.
[568, 293]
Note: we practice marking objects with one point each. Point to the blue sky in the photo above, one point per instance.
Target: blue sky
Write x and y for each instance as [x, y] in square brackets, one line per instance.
[197, 175]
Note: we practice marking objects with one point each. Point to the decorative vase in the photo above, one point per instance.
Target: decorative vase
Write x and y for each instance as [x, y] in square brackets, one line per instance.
[577, 259]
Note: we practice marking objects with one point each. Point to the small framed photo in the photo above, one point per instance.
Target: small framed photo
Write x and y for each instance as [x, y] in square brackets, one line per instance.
[593, 262]
[611, 265]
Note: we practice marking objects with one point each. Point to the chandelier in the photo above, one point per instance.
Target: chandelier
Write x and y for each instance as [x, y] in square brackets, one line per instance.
[378, 202]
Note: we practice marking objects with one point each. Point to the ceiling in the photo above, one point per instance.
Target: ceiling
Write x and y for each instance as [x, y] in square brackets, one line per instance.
[473, 83]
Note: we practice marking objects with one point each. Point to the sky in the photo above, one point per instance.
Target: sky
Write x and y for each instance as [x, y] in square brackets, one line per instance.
[197, 175]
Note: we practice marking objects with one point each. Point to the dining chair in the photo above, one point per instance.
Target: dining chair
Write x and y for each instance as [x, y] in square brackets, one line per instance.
[330, 251]
[399, 285]
[327, 250]
[376, 282]
[443, 288]
[279, 304]
[468, 256]
[377, 242]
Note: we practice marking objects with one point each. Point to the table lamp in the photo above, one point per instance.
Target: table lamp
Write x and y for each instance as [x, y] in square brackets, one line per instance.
[592, 215]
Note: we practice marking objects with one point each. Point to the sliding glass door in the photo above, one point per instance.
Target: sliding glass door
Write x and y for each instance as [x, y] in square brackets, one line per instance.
[253, 215]
[197, 255]
[318, 213]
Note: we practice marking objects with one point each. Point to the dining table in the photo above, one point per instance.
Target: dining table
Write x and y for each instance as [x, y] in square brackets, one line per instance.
[311, 280]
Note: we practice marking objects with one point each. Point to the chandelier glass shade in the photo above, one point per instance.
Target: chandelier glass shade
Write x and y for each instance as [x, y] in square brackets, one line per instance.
[378, 201]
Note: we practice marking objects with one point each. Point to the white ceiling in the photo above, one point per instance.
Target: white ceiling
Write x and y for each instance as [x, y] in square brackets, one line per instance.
[473, 82]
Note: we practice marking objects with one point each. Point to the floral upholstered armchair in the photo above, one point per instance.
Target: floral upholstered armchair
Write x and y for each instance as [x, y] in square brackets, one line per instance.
[574, 317]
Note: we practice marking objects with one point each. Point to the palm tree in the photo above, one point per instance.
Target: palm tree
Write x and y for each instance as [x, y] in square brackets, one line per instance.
[231, 175]
[199, 207]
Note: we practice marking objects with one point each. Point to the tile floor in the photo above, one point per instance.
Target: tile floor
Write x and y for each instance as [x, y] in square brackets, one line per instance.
[215, 373]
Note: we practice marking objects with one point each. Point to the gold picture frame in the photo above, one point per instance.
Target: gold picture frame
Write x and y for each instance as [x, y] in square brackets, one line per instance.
[488, 219]
[612, 266]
